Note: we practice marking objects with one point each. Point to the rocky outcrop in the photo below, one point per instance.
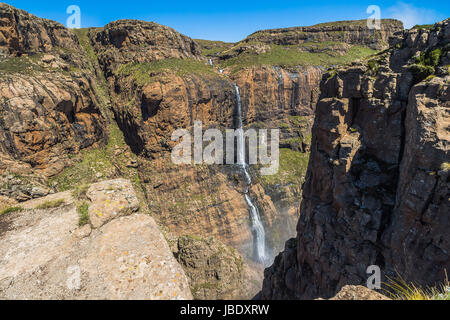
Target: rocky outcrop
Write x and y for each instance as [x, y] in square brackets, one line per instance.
[215, 271]
[49, 106]
[273, 93]
[351, 32]
[377, 185]
[45, 254]
[151, 113]
[22, 33]
[358, 293]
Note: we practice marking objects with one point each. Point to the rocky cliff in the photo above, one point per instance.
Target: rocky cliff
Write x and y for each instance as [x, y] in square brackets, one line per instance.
[351, 32]
[377, 185]
[65, 247]
[102, 104]
[50, 107]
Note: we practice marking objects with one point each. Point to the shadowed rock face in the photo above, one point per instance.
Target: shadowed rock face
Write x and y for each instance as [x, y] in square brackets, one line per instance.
[377, 186]
[49, 107]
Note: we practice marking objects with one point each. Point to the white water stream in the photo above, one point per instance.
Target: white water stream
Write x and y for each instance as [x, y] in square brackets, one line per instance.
[257, 226]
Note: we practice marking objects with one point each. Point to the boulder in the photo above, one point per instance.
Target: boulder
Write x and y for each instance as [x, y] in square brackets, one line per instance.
[46, 255]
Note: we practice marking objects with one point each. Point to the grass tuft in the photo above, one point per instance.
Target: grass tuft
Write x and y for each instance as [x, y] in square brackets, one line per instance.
[399, 289]
[293, 167]
[50, 204]
[445, 166]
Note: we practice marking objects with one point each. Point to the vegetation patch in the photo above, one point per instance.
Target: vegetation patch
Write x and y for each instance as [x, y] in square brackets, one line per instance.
[83, 212]
[293, 167]
[373, 66]
[143, 73]
[100, 86]
[23, 65]
[50, 204]
[10, 210]
[92, 164]
[423, 27]
[399, 289]
[291, 56]
[213, 48]
[80, 191]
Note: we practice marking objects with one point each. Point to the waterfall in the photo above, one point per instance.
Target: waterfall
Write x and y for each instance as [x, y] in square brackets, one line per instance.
[211, 62]
[280, 87]
[257, 226]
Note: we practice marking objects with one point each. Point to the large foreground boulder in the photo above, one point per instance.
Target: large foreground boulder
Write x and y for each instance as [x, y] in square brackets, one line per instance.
[44, 254]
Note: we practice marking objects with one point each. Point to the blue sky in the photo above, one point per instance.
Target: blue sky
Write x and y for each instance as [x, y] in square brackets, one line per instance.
[233, 20]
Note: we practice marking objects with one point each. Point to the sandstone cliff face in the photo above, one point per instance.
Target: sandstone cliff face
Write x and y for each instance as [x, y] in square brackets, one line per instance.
[135, 41]
[377, 186]
[215, 271]
[49, 105]
[271, 93]
[351, 32]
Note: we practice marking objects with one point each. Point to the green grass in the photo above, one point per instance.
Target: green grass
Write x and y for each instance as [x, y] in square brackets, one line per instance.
[143, 73]
[83, 212]
[10, 210]
[445, 166]
[293, 167]
[359, 23]
[213, 48]
[291, 56]
[83, 39]
[50, 204]
[373, 65]
[425, 65]
[91, 162]
[399, 289]
[80, 191]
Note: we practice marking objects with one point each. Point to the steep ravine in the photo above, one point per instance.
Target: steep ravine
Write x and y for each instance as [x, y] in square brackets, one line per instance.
[377, 189]
[150, 80]
[152, 98]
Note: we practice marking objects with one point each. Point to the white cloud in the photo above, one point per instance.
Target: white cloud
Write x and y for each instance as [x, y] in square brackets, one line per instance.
[411, 15]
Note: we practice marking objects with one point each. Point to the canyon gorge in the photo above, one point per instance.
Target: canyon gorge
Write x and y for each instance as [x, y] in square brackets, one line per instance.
[86, 121]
